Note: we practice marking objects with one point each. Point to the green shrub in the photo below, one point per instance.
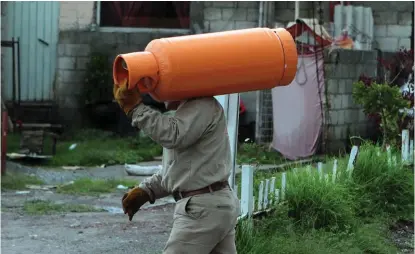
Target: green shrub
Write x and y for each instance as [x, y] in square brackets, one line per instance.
[315, 203]
[382, 188]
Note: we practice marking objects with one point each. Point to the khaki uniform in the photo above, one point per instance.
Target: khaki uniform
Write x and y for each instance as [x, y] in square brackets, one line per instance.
[196, 155]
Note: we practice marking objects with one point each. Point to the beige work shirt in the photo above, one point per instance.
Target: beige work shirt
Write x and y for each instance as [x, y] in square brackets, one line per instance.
[196, 146]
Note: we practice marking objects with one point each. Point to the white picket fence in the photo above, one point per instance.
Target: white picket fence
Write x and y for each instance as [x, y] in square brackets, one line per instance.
[269, 195]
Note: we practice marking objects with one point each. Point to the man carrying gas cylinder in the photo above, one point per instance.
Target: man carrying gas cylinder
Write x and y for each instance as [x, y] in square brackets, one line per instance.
[196, 166]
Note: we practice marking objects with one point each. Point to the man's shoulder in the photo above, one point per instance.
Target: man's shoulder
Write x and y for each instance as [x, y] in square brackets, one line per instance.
[202, 101]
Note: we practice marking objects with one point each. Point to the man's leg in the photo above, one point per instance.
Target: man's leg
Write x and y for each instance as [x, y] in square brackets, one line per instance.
[227, 245]
[201, 222]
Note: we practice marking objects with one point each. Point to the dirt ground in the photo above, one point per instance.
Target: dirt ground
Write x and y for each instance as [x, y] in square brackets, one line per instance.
[95, 232]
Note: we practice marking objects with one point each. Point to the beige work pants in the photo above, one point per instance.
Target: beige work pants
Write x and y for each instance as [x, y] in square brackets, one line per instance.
[204, 224]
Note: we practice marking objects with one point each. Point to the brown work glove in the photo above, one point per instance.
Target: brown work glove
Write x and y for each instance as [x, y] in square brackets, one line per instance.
[127, 99]
[133, 200]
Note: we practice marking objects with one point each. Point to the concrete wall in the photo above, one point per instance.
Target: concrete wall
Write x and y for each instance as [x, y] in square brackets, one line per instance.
[76, 15]
[392, 20]
[343, 118]
[3, 35]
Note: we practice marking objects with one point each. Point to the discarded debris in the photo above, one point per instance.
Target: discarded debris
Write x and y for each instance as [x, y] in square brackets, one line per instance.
[122, 187]
[73, 146]
[40, 187]
[72, 168]
[22, 192]
[141, 170]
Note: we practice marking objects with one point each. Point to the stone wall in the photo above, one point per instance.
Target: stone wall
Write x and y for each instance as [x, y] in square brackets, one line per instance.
[343, 118]
[3, 35]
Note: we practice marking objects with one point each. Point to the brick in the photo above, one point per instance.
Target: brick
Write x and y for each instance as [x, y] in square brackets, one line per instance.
[66, 63]
[77, 49]
[81, 63]
[405, 18]
[253, 15]
[333, 117]
[388, 43]
[335, 101]
[399, 31]
[404, 43]
[340, 132]
[212, 14]
[380, 31]
[245, 24]
[345, 101]
[61, 49]
[332, 86]
[224, 4]
[385, 18]
[219, 25]
[234, 14]
[248, 4]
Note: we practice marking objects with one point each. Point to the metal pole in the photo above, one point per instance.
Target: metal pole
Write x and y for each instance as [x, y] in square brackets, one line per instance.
[4, 141]
[297, 10]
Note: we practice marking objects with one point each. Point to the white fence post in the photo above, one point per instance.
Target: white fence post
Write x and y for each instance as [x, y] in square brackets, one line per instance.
[320, 170]
[272, 190]
[283, 185]
[389, 154]
[405, 146]
[411, 151]
[334, 174]
[266, 192]
[260, 195]
[277, 196]
[352, 158]
[247, 190]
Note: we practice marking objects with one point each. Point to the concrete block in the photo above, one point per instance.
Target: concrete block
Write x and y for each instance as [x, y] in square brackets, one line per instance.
[248, 4]
[332, 86]
[139, 38]
[219, 25]
[212, 13]
[221, 4]
[402, 5]
[380, 30]
[351, 116]
[345, 101]
[351, 71]
[342, 86]
[404, 43]
[281, 5]
[340, 132]
[340, 117]
[66, 63]
[206, 27]
[329, 70]
[385, 18]
[405, 18]
[61, 49]
[388, 43]
[348, 85]
[77, 49]
[208, 4]
[81, 63]
[336, 146]
[362, 116]
[399, 31]
[253, 14]
[70, 76]
[284, 15]
[234, 14]
[333, 117]
[335, 101]
[245, 24]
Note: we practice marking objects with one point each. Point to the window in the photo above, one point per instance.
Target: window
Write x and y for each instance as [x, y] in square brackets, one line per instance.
[148, 14]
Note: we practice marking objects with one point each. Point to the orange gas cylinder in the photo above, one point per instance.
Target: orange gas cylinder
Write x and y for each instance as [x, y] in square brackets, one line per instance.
[235, 61]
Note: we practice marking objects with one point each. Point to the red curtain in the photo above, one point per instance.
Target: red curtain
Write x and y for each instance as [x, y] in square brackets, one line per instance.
[182, 11]
[130, 13]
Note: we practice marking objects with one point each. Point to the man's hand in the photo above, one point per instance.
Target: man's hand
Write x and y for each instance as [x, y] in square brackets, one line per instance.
[127, 99]
[133, 200]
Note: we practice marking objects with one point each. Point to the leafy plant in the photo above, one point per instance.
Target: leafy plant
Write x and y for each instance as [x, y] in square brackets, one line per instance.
[383, 100]
[98, 79]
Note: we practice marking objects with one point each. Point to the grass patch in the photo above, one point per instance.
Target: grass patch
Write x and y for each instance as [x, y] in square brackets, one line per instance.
[41, 207]
[87, 186]
[352, 215]
[15, 181]
[251, 153]
[281, 236]
[95, 147]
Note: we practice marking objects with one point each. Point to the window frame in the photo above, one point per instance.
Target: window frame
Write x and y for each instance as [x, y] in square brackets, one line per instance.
[110, 29]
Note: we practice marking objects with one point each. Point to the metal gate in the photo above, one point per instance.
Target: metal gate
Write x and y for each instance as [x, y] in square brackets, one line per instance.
[36, 24]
